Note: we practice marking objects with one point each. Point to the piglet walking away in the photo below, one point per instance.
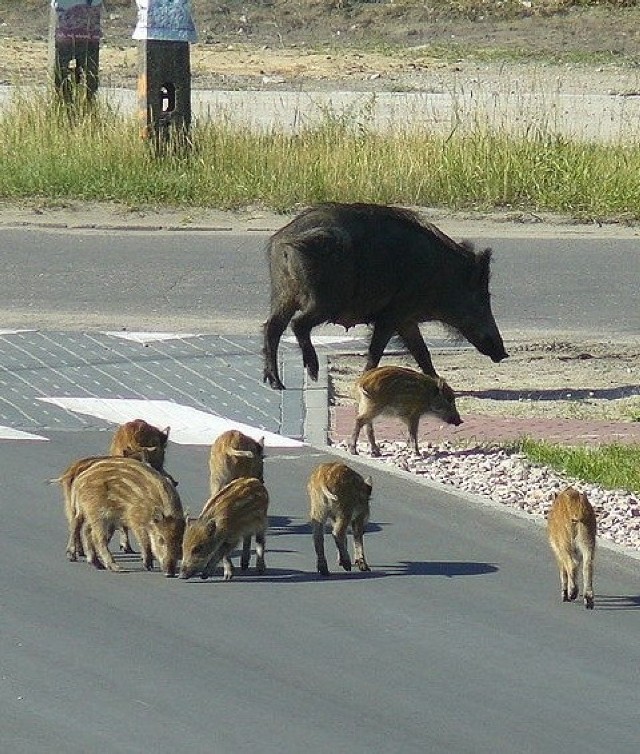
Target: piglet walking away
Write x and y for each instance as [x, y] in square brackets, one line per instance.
[123, 492]
[404, 393]
[339, 493]
[571, 527]
[352, 264]
[234, 455]
[235, 513]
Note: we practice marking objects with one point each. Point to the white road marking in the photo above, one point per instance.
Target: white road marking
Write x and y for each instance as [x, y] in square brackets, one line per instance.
[324, 340]
[189, 426]
[149, 337]
[14, 332]
[8, 433]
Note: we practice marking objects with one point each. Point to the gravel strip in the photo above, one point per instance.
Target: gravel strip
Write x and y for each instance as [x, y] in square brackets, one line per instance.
[510, 479]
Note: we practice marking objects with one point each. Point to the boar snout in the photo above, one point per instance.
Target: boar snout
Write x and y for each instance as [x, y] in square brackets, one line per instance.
[493, 347]
[455, 420]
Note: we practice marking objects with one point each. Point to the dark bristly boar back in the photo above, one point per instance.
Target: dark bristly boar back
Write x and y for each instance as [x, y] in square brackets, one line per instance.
[116, 492]
[352, 264]
[405, 393]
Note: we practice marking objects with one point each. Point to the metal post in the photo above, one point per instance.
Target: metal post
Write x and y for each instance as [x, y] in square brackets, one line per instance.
[74, 47]
[164, 30]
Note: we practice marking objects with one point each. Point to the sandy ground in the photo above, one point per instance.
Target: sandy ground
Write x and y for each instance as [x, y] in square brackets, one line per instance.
[547, 378]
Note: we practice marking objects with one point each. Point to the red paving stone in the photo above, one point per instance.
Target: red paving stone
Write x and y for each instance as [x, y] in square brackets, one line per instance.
[489, 429]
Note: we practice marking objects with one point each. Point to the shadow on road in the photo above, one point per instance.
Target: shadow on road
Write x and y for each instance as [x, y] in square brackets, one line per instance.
[617, 602]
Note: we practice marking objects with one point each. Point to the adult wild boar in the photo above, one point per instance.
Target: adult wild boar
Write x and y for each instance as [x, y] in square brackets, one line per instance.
[354, 264]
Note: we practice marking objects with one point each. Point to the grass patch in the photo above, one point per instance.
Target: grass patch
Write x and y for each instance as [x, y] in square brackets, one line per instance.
[610, 466]
[97, 154]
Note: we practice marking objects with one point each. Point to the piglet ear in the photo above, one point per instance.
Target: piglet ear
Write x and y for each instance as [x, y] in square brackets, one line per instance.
[158, 516]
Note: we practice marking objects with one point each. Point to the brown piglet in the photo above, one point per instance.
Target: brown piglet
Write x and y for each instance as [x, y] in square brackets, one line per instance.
[571, 527]
[401, 392]
[236, 512]
[139, 435]
[123, 492]
[339, 493]
[141, 440]
[234, 455]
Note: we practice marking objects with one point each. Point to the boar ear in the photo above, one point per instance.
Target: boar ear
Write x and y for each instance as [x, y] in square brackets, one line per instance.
[483, 267]
[261, 442]
[165, 433]
[369, 483]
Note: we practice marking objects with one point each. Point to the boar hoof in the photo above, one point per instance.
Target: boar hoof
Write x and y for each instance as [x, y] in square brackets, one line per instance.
[72, 556]
[274, 382]
[346, 564]
[353, 450]
[244, 564]
[375, 452]
[361, 563]
[574, 593]
[588, 601]
[323, 569]
[260, 566]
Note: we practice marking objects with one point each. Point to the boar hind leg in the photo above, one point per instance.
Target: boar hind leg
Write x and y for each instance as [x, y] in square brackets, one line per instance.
[273, 329]
[413, 340]
[302, 324]
[340, 538]
[318, 543]
[97, 542]
[357, 526]
[568, 570]
[75, 547]
[586, 549]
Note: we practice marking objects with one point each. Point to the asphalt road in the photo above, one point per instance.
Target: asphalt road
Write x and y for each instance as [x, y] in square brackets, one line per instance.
[217, 282]
[455, 642]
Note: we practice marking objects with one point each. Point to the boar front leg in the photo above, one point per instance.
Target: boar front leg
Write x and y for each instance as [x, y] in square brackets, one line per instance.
[125, 542]
[382, 332]
[146, 553]
[413, 424]
[413, 340]
[357, 526]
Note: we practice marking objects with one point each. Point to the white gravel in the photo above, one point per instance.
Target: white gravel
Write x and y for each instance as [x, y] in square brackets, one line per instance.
[510, 479]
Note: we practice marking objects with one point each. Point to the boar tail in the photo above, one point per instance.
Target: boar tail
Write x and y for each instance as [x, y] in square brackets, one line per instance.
[240, 453]
[327, 492]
